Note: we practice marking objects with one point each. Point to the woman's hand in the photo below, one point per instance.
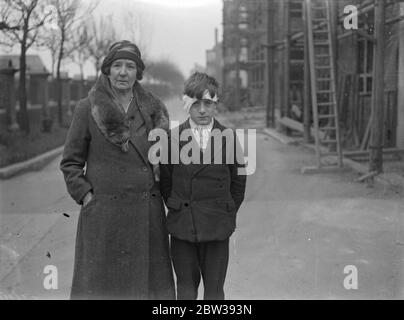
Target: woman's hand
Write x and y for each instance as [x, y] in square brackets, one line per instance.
[87, 198]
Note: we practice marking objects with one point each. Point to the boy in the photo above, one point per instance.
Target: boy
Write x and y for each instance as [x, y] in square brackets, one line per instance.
[202, 198]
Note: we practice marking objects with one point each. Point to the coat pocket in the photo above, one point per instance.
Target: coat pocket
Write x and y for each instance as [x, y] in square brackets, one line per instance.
[227, 205]
[174, 204]
[231, 206]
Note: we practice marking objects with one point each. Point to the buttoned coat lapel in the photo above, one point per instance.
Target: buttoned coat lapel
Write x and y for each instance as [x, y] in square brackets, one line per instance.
[214, 150]
[186, 126]
[138, 131]
[194, 169]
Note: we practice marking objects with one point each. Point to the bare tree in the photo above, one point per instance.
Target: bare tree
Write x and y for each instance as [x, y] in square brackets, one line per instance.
[52, 44]
[69, 15]
[5, 26]
[137, 30]
[102, 35]
[81, 53]
[5, 12]
[22, 21]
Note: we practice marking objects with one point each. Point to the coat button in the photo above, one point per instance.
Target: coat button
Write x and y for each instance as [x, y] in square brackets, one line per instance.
[186, 204]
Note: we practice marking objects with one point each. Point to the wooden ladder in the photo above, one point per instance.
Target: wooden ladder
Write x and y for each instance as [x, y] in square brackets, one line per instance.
[323, 82]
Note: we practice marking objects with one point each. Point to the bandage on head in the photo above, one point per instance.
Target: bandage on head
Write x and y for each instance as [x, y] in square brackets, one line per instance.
[188, 101]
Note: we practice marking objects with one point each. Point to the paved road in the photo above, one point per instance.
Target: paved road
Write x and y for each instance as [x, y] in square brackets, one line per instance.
[295, 233]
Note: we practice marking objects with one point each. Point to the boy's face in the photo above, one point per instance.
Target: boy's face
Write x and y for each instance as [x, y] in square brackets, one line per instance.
[202, 111]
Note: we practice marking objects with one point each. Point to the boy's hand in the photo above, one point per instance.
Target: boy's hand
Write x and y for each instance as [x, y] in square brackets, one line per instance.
[87, 198]
[156, 172]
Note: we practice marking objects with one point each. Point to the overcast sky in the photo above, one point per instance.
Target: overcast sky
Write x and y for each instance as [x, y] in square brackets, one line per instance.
[180, 30]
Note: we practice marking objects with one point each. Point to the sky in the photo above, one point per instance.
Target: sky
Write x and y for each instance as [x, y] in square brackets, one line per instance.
[178, 30]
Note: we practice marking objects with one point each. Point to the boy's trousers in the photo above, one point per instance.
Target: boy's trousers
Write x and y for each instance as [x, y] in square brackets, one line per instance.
[191, 260]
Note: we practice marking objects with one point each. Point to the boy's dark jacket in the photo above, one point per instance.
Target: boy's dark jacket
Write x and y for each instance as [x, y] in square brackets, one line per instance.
[202, 199]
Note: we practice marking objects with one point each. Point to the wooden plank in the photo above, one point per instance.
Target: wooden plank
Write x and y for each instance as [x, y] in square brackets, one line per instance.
[332, 51]
[313, 79]
[306, 83]
[366, 135]
[366, 152]
[400, 83]
[386, 157]
[286, 61]
[291, 124]
[366, 176]
[323, 169]
[355, 103]
[269, 85]
[297, 126]
[376, 136]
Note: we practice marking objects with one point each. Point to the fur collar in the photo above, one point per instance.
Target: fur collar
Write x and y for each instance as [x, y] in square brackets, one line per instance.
[111, 118]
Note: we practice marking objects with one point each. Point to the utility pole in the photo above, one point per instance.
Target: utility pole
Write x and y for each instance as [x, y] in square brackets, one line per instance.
[238, 50]
[377, 114]
[286, 61]
[238, 87]
[306, 83]
[269, 85]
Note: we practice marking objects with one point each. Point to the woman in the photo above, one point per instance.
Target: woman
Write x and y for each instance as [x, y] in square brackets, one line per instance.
[122, 244]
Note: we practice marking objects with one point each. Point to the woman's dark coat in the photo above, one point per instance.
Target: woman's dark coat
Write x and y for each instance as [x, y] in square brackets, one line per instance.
[203, 199]
[122, 242]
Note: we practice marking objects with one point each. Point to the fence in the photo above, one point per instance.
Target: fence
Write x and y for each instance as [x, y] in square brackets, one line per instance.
[42, 94]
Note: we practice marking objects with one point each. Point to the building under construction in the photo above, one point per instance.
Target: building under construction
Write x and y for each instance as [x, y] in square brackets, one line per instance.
[244, 32]
[315, 72]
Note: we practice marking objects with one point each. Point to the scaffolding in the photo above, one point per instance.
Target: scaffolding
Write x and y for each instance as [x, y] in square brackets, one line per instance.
[266, 49]
[244, 32]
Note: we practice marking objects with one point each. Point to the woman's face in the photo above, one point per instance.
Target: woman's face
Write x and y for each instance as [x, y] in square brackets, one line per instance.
[123, 74]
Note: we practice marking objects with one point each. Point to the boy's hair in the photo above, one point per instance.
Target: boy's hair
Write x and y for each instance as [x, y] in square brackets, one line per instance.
[198, 82]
